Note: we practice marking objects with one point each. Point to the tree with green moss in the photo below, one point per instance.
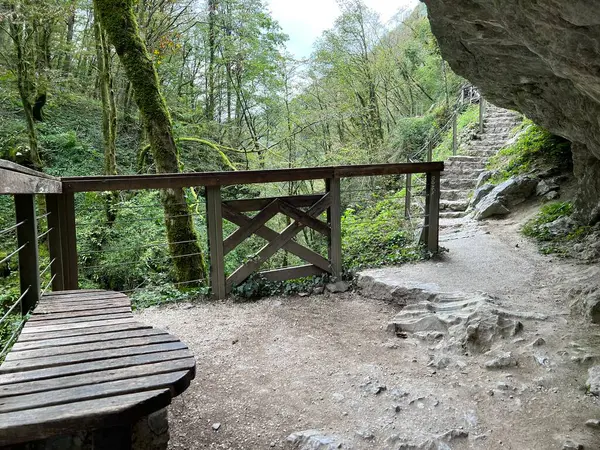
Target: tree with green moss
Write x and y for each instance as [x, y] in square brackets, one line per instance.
[117, 17]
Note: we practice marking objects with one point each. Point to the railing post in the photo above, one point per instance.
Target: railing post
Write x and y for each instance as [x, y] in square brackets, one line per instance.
[407, 196]
[68, 240]
[334, 218]
[429, 151]
[481, 112]
[454, 133]
[27, 237]
[433, 211]
[54, 242]
[214, 224]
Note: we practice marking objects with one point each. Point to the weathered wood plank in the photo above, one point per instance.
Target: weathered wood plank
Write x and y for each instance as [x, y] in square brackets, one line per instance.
[60, 327]
[291, 273]
[77, 291]
[73, 321]
[42, 423]
[54, 242]
[242, 272]
[22, 183]
[170, 181]
[46, 308]
[15, 355]
[433, 181]
[27, 237]
[93, 366]
[98, 329]
[214, 225]
[45, 316]
[96, 356]
[85, 339]
[256, 204]
[269, 234]
[335, 222]
[86, 296]
[51, 384]
[68, 241]
[256, 222]
[305, 219]
[177, 382]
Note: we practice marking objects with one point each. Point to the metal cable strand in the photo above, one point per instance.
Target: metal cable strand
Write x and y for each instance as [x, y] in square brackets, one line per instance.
[11, 339]
[14, 227]
[47, 267]
[14, 253]
[48, 285]
[40, 236]
[15, 304]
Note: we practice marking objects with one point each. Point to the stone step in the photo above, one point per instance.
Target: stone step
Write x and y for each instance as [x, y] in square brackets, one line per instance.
[461, 170]
[453, 205]
[470, 165]
[458, 183]
[465, 158]
[454, 194]
[452, 214]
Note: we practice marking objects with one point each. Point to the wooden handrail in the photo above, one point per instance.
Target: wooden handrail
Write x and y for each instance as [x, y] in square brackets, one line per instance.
[16, 179]
[166, 181]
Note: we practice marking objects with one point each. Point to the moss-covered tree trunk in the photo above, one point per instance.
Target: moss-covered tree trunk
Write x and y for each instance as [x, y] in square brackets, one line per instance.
[21, 33]
[118, 19]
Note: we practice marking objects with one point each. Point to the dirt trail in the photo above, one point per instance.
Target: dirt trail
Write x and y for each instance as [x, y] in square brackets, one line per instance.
[327, 362]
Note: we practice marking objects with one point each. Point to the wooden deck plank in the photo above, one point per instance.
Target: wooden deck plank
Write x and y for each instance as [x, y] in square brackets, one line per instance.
[51, 384]
[76, 291]
[46, 308]
[72, 322]
[41, 423]
[46, 316]
[176, 382]
[98, 356]
[90, 347]
[86, 338]
[82, 297]
[121, 325]
[74, 326]
[87, 367]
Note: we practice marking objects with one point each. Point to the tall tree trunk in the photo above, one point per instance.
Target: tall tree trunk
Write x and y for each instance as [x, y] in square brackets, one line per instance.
[21, 33]
[212, 50]
[109, 115]
[66, 68]
[118, 19]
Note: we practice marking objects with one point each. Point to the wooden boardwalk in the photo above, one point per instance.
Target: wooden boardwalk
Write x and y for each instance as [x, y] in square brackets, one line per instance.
[81, 363]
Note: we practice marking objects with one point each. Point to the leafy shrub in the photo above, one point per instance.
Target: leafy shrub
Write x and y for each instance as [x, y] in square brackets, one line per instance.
[548, 213]
[467, 120]
[534, 149]
[378, 235]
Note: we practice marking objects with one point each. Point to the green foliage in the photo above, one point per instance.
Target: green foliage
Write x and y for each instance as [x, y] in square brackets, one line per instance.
[256, 287]
[467, 120]
[377, 235]
[552, 243]
[534, 149]
[548, 213]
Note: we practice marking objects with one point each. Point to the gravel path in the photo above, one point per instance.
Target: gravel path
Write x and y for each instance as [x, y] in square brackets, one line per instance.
[326, 362]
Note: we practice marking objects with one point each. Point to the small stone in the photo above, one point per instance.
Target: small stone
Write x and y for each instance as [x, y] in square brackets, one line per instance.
[502, 386]
[337, 287]
[592, 423]
[571, 445]
[303, 294]
[366, 435]
[379, 389]
[397, 408]
[501, 360]
[318, 290]
[539, 341]
[216, 426]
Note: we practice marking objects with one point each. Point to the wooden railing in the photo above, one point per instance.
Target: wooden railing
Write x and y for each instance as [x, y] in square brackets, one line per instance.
[302, 210]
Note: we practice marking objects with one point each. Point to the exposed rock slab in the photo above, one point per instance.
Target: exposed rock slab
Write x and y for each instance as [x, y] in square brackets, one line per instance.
[545, 57]
[512, 192]
[313, 440]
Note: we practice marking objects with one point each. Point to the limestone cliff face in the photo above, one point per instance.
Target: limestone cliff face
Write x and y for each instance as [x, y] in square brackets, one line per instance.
[540, 57]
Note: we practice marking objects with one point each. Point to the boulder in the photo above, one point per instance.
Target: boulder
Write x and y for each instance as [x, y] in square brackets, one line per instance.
[593, 382]
[544, 187]
[313, 440]
[480, 194]
[484, 177]
[507, 194]
[546, 64]
[559, 227]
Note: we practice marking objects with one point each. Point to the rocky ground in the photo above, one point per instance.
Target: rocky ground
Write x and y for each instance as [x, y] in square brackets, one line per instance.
[502, 369]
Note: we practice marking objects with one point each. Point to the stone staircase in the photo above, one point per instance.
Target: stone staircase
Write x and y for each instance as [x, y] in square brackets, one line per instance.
[460, 175]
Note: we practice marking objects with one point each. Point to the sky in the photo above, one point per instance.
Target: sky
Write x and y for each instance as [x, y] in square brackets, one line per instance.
[304, 21]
